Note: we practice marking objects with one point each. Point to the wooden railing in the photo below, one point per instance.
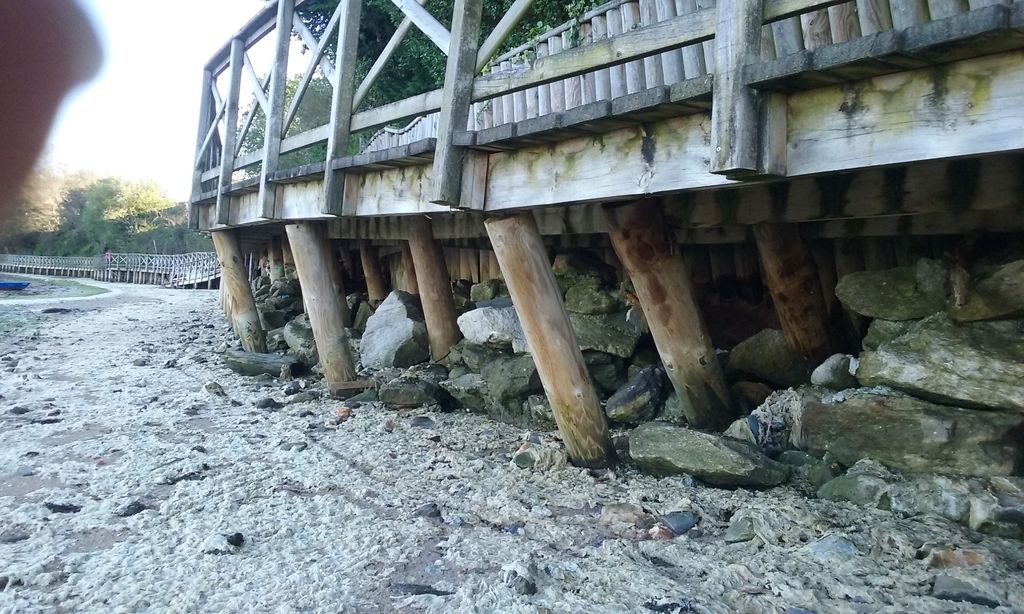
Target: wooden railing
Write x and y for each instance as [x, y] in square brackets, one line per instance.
[175, 270]
[623, 57]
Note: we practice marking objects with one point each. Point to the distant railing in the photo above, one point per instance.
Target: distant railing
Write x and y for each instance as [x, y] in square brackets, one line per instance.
[174, 270]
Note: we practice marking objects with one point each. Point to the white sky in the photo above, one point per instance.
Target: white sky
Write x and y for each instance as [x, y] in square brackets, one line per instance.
[138, 118]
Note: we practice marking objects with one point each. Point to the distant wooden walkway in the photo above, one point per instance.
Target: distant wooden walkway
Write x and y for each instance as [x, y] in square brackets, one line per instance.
[172, 270]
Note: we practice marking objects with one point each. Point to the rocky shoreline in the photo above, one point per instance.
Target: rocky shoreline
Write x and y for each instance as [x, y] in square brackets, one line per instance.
[195, 485]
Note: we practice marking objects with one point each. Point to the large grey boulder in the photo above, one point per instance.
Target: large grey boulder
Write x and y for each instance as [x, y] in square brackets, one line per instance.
[420, 385]
[572, 268]
[611, 333]
[298, 334]
[588, 296]
[837, 372]
[766, 357]
[990, 505]
[911, 434]
[902, 293]
[977, 364]
[253, 363]
[883, 331]
[664, 449]
[493, 326]
[272, 318]
[511, 379]
[995, 294]
[395, 334]
[469, 390]
[487, 290]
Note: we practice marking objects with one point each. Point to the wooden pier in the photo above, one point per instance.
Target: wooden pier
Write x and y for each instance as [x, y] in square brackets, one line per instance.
[736, 148]
[175, 270]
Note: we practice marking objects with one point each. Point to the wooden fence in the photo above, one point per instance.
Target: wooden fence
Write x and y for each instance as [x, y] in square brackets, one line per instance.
[172, 270]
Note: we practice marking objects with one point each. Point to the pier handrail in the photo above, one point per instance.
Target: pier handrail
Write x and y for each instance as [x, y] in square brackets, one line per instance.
[620, 48]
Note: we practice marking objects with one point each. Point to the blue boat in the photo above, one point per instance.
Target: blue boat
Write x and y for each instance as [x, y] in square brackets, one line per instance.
[14, 285]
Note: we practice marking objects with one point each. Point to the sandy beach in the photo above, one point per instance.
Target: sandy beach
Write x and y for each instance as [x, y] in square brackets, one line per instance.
[138, 474]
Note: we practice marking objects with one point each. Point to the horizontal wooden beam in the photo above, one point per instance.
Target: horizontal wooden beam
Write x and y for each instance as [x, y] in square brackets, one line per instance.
[651, 40]
[414, 106]
[777, 10]
[261, 24]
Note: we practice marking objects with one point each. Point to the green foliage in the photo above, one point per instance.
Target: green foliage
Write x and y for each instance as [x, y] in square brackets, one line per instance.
[81, 215]
[418, 66]
[314, 111]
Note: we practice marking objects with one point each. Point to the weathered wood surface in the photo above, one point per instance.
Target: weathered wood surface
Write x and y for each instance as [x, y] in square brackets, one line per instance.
[324, 300]
[456, 102]
[274, 108]
[341, 101]
[409, 270]
[376, 287]
[654, 262]
[276, 256]
[240, 305]
[963, 107]
[434, 287]
[531, 283]
[792, 279]
[227, 163]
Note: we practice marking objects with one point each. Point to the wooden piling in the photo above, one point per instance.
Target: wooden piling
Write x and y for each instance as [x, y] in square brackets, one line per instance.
[792, 280]
[409, 271]
[662, 282]
[435, 288]
[276, 256]
[538, 301]
[376, 287]
[324, 299]
[242, 307]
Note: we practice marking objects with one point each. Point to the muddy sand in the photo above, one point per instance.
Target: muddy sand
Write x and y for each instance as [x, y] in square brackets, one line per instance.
[123, 468]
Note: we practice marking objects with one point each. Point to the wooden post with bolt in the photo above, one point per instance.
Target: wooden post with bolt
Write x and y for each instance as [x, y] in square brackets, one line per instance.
[435, 288]
[376, 287]
[661, 279]
[276, 257]
[792, 279]
[324, 300]
[239, 303]
[552, 341]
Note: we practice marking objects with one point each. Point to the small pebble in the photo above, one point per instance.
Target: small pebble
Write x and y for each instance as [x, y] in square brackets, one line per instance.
[680, 522]
[428, 510]
[421, 422]
[63, 508]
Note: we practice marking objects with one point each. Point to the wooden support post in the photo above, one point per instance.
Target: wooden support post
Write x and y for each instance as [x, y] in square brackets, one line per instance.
[341, 103]
[227, 162]
[276, 255]
[747, 128]
[455, 102]
[793, 282]
[324, 300]
[409, 271]
[435, 288]
[239, 303]
[274, 129]
[207, 116]
[655, 265]
[556, 353]
[376, 287]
